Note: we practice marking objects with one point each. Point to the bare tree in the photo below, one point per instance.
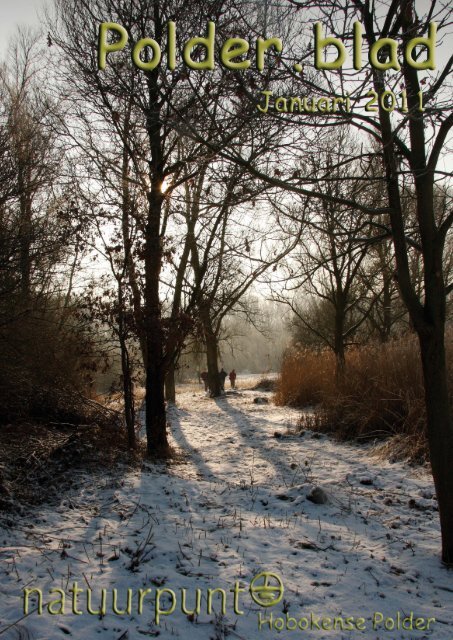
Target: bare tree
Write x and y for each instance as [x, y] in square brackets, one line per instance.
[152, 91]
[409, 115]
[231, 243]
[33, 154]
[332, 252]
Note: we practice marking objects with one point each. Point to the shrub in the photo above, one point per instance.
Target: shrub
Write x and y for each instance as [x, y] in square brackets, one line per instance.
[44, 367]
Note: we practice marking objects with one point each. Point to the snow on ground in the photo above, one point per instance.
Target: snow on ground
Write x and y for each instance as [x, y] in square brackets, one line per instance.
[236, 505]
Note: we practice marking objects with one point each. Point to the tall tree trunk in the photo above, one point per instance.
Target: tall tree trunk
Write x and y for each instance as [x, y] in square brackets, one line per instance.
[156, 418]
[386, 327]
[440, 430]
[127, 242]
[428, 317]
[170, 385]
[339, 339]
[25, 232]
[212, 350]
[128, 392]
[340, 360]
[212, 362]
[156, 421]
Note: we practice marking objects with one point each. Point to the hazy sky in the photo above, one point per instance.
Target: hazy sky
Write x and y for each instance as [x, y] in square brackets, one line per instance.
[25, 12]
[13, 12]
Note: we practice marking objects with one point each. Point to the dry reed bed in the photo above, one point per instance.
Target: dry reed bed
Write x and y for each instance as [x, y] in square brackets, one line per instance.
[380, 396]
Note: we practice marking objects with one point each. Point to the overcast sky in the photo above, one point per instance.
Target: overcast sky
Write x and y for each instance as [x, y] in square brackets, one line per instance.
[13, 12]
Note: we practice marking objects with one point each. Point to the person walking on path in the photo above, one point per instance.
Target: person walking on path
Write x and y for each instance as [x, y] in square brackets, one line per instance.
[204, 377]
[232, 378]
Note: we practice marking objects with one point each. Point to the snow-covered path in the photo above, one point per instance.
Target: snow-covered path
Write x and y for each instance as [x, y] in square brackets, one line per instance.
[234, 507]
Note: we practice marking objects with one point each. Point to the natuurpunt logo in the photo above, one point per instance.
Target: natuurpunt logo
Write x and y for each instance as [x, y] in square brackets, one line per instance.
[266, 590]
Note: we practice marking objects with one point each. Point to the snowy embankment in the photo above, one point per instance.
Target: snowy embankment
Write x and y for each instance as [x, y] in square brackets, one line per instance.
[237, 504]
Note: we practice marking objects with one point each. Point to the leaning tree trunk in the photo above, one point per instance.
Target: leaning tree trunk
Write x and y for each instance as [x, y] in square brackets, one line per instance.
[439, 430]
[177, 334]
